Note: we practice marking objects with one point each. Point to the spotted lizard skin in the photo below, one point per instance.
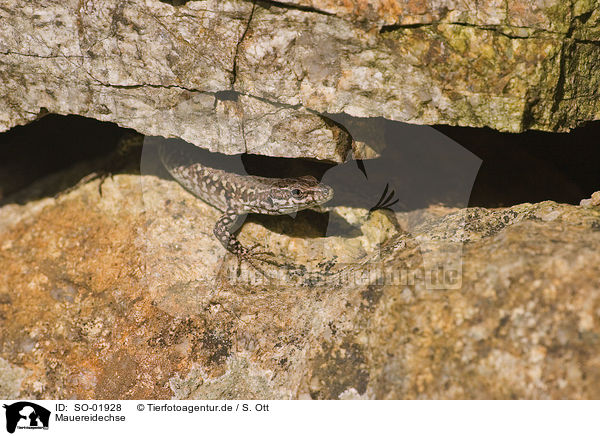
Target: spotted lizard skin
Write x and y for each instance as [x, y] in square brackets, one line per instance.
[236, 194]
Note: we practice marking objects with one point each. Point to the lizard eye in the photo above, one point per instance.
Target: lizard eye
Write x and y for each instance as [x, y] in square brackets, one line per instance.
[297, 193]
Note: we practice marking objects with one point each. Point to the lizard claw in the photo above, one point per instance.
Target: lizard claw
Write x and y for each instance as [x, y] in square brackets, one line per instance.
[252, 252]
[251, 255]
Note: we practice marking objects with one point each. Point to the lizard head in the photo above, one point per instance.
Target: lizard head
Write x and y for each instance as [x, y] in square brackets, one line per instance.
[294, 194]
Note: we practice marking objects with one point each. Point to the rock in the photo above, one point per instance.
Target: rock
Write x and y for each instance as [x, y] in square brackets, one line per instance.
[215, 73]
[517, 13]
[437, 72]
[11, 379]
[128, 295]
[283, 131]
[593, 201]
[123, 292]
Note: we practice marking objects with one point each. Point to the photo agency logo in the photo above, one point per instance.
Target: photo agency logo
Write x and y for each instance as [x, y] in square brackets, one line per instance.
[25, 415]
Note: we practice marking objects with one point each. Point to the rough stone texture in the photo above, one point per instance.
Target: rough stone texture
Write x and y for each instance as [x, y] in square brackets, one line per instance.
[153, 68]
[593, 201]
[127, 296]
[180, 70]
[513, 76]
[11, 378]
[281, 131]
[518, 13]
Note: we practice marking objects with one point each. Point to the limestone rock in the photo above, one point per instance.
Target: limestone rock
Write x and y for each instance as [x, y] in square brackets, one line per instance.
[215, 73]
[128, 295]
[593, 201]
[517, 13]
[461, 71]
[11, 378]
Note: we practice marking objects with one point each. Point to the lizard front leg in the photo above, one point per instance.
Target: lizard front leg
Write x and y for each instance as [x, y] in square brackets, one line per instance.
[223, 233]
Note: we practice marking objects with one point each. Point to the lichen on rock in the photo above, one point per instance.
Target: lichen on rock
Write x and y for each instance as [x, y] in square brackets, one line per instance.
[176, 70]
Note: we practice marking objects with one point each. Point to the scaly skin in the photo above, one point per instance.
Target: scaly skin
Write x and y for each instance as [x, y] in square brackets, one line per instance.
[237, 195]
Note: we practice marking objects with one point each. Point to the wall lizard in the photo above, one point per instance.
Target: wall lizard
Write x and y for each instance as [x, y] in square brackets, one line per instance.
[236, 195]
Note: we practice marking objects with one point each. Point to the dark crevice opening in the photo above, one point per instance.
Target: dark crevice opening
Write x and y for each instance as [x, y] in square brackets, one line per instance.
[267, 4]
[175, 2]
[516, 168]
[532, 166]
[393, 27]
[48, 146]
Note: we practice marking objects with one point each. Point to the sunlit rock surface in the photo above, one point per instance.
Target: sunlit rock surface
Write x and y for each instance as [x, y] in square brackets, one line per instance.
[118, 289]
[128, 295]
